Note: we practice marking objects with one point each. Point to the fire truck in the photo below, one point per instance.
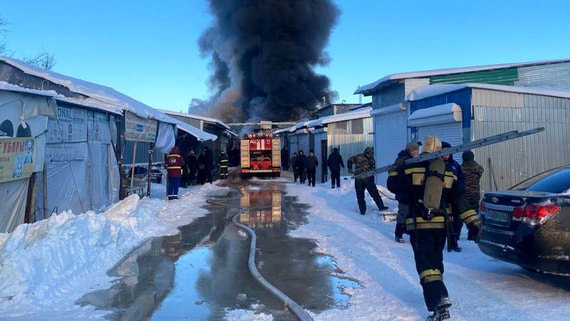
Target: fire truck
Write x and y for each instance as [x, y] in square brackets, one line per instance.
[260, 155]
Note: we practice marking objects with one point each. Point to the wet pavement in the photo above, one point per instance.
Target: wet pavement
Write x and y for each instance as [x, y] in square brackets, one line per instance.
[202, 273]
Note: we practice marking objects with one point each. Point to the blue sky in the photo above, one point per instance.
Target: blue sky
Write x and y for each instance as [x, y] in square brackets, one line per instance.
[148, 49]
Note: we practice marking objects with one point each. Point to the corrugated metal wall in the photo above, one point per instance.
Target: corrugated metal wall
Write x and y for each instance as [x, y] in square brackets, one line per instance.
[340, 135]
[392, 95]
[554, 75]
[518, 159]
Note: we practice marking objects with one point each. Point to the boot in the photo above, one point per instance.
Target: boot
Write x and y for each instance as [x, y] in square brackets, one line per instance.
[440, 313]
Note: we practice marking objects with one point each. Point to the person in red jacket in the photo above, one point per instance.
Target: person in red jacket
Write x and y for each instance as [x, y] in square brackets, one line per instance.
[174, 164]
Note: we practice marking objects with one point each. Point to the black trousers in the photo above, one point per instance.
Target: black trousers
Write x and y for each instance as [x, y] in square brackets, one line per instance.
[367, 184]
[335, 177]
[311, 176]
[302, 175]
[295, 174]
[428, 253]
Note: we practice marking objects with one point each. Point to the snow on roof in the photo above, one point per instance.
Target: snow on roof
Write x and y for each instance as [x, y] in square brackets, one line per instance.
[193, 116]
[435, 111]
[9, 87]
[427, 73]
[282, 130]
[199, 134]
[359, 113]
[51, 93]
[434, 90]
[105, 96]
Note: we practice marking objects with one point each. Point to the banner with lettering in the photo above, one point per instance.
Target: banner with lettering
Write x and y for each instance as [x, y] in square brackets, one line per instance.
[17, 157]
[140, 129]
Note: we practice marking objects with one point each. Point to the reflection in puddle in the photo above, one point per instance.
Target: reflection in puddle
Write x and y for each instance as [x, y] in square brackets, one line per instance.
[201, 273]
[261, 208]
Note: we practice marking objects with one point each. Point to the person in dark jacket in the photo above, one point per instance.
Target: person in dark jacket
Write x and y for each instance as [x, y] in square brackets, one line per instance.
[301, 163]
[396, 185]
[191, 166]
[174, 164]
[285, 158]
[202, 168]
[335, 163]
[365, 162]
[426, 224]
[473, 172]
[223, 165]
[454, 166]
[209, 162]
[311, 165]
[294, 166]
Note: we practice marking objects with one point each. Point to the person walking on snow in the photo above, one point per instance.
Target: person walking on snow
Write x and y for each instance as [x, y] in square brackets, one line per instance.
[335, 163]
[432, 190]
[473, 172]
[396, 185]
[294, 165]
[452, 165]
[311, 164]
[174, 163]
[365, 162]
[301, 163]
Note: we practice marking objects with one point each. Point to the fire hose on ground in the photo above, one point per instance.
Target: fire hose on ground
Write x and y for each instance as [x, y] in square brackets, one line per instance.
[299, 312]
[289, 303]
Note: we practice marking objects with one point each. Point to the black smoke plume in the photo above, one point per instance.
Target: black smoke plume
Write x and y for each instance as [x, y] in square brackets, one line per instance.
[263, 54]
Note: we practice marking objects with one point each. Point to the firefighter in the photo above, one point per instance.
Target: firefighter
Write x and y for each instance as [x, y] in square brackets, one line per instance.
[174, 163]
[432, 191]
[396, 185]
[223, 165]
[452, 165]
[365, 162]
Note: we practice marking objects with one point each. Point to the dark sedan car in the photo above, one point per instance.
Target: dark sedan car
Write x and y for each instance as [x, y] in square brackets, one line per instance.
[529, 224]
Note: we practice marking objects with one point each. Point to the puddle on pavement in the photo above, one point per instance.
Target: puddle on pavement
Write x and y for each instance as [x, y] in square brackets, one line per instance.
[202, 273]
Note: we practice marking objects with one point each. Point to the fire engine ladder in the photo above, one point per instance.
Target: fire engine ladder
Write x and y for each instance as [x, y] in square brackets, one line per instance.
[459, 148]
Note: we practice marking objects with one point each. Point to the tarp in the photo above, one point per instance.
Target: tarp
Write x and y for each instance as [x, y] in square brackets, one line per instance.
[81, 169]
[166, 138]
[22, 114]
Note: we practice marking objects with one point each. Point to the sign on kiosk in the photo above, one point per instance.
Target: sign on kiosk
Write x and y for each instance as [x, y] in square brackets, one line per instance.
[16, 158]
[139, 129]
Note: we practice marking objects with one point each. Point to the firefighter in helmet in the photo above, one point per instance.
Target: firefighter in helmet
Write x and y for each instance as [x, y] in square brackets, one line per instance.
[433, 191]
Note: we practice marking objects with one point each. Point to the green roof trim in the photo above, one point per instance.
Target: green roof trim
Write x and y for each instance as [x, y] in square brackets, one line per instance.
[496, 77]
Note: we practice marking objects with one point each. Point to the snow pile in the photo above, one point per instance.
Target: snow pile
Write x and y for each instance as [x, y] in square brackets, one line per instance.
[481, 288]
[43, 264]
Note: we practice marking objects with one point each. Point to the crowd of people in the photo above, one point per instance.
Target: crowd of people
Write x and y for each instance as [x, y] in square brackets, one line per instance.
[188, 169]
[435, 198]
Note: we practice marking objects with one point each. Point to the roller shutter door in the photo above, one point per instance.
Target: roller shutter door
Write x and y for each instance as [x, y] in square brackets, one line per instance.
[448, 132]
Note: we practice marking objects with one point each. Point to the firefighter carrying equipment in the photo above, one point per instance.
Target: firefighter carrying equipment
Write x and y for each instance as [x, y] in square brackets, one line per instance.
[433, 187]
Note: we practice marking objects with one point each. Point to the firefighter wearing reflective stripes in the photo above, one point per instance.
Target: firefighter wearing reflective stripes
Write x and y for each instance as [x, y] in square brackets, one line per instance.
[426, 222]
[223, 165]
[174, 163]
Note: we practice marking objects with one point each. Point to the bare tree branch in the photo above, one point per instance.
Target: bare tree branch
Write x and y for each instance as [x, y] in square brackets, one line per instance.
[43, 60]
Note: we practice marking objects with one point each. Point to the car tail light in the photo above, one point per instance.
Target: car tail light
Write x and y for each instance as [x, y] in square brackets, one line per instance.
[535, 214]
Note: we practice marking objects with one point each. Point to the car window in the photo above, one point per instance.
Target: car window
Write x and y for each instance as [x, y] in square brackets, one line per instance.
[553, 181]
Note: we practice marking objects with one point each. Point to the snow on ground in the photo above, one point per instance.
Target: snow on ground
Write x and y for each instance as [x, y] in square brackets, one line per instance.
[481, 288]
[46, 266]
